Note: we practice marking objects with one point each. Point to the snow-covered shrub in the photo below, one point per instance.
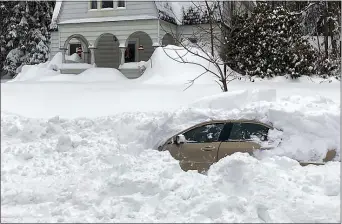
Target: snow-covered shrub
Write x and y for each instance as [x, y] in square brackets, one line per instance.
[328, 67]
[24, 31]
[269, 43]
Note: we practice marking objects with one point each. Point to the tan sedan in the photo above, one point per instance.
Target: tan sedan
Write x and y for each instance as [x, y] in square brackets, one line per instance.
[200, 146]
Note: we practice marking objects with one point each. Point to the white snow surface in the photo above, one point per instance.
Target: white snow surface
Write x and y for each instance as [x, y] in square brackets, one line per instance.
[105, 170]
[82, 148]
[173, 65]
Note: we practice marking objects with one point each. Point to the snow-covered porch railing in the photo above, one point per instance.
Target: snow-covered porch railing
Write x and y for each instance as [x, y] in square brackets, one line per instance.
[73, 68]
[133, 70]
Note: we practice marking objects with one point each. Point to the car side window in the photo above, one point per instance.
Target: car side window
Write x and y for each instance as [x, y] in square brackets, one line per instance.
[205, 133]
[248, 131]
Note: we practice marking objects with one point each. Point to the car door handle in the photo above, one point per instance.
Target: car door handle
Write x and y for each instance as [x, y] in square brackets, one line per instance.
[208, 148]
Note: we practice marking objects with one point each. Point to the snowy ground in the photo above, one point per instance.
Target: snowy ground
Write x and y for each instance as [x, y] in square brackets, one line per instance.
[76, 150]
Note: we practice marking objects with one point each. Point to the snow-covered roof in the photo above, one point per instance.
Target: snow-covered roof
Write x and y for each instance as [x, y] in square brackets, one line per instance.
[174, 10]
[55, 14]
[108, 19]
[171, 9]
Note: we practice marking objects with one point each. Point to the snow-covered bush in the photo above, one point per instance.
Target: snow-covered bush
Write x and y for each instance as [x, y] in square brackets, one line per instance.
[24, 31]
[269, 43]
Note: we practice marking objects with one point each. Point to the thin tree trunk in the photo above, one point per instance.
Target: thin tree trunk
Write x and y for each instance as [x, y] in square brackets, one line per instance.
[326, 35]
[224, 80]
[331, 31]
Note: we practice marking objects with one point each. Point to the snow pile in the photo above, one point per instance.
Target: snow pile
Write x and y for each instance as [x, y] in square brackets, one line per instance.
[166, 67]
[49, 71]
[34, 72]
[235, 99]
[90, 75]
[73, 58]
[300, 119]
[103, 169]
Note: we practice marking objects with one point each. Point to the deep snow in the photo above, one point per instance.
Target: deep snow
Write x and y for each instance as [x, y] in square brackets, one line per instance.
[81, 148]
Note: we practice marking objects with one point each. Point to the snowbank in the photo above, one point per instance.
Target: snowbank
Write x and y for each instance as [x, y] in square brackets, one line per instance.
[299, 118]
[167, 67]
[49, 71]
[91, 75]
[103, 169]
[73, 58]
[34, 73]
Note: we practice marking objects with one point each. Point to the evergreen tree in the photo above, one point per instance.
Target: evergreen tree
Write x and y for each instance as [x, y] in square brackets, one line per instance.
[25, 36]
[269, 43]
[39, 35]
[15, 37]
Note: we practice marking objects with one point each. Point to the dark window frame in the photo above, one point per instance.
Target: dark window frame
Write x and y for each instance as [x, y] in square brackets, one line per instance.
[106, 2]
[92, 4]
[122, 2]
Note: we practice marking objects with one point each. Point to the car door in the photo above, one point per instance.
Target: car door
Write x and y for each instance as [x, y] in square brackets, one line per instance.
[242, 137]
[199, 151]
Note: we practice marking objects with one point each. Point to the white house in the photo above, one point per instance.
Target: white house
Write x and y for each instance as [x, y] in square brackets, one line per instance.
[111, 33]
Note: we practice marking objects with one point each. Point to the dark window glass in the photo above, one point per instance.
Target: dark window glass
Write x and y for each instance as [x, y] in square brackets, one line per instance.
[205, 133]
[248, 131]
[73, 48]
[130, 52]
[193, 40]
[93, 4]
[121, 4]
[107, 4]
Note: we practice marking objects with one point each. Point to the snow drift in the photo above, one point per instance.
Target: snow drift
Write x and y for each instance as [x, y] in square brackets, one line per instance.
[105, 170]
[48, 72]
[166, 67]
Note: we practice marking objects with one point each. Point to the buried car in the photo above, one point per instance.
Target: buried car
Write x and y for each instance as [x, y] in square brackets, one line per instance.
[200, 146]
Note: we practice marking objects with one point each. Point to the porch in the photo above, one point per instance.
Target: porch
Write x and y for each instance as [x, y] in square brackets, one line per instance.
[107, 51]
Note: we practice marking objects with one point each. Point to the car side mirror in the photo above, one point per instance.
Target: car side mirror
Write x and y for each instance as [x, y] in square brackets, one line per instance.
[180, 139]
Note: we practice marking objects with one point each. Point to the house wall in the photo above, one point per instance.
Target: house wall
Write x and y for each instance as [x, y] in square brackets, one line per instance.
[121, 29]
[164, 28]
[200, 32]
[146, 42]
[107, 54]
[54, 45]
[81, 10]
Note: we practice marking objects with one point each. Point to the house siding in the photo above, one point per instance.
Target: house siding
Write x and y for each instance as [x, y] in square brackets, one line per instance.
[121, 29]
[107, 54]
[197, 31]
[81, 10]
[54, 45]
[164, 28]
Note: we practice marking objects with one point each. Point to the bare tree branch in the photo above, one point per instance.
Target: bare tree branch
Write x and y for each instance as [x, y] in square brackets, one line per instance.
[207, 39]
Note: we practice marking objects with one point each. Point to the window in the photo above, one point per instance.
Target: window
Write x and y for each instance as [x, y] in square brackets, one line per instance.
[93, 4]
[73, 48]
[192, 40]
[107, 4]
[248, 131]
[121, 4]
[205, 133]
